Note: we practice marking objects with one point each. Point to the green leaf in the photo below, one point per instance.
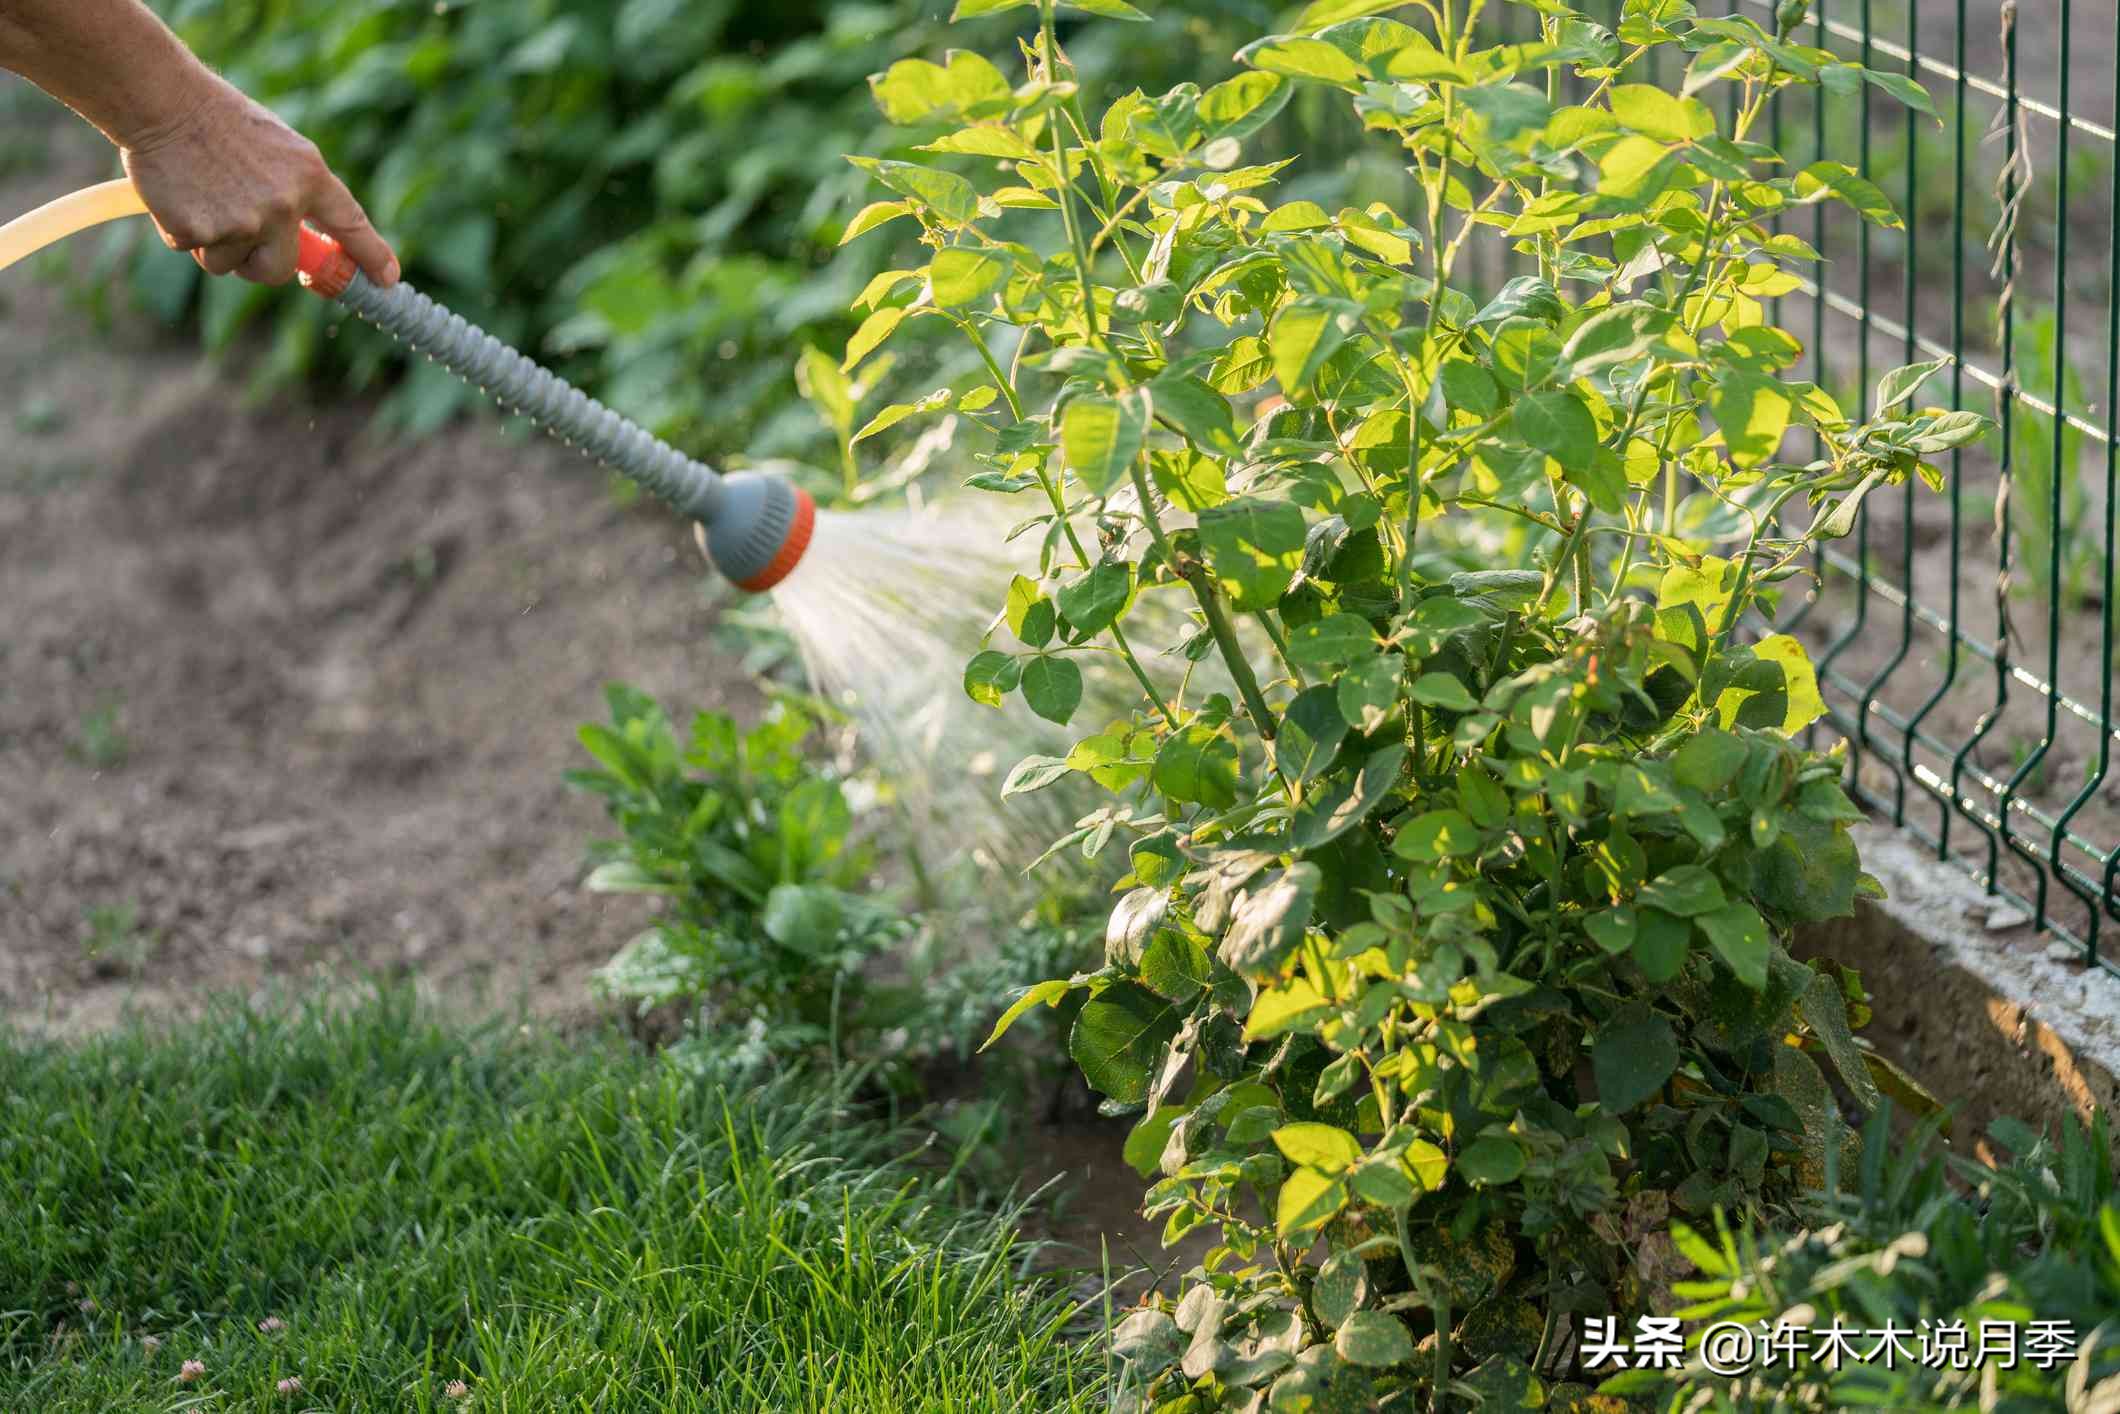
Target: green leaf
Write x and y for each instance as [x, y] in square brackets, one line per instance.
[1193, 483]
[1660, 941]
[1740, 938]
[870, 336]
[1338, 1291]
[1093, 602]
[1143, 1153]
[1236, 108]
[1196, 410]
[1612, 929]
[1492, 1159]
[1612, 336]
[1635, 169]
[625, 876]
[1282, 1008]
[1108, 9]
[1296, 216]
[960, 275]
[1318, 1146]
[805, 917]
[1029, 613]
[1119, 1037]
[1525, 297]
[1752, 410]
[1369, 691]
[1708, 761]
[1309, 1199]
[1373, 1338]
[898, 412]
[1634, 1054]
[1439, 834]
[1100, 437]
[1300, 58]
[1053, 687]
[916, 91]
[974, 9]
[1825, 1009]
[1311, 732]
[1470, 388]
[1268, 924]
[1383, 1182]
[1048, 994]
[1307, 331]
[1176, 968]
[1838, 180]
[1505, 109]
[1198, 765]
[875, 214]
[1903, 383]
[1444, 691]
[1647, 109]
[1254, 547]
[1793, 706]
[1559, 425]
[1688, 891]
[1331, 641]
[1320, 13]
[1426, 1163]
[1339, 808]
[953, 200]
[1912, 94]
[990, 676]
[1034, 773]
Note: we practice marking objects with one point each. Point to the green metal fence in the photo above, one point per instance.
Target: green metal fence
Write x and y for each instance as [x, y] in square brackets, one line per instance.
[1965, 640]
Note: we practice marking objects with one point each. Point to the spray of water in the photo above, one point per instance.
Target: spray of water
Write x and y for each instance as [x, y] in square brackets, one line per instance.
[886, 608]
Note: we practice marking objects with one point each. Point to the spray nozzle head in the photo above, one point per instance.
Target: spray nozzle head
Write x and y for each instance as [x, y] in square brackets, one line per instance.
[758, 530]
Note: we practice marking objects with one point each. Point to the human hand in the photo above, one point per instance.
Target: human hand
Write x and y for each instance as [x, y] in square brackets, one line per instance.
[232, 184]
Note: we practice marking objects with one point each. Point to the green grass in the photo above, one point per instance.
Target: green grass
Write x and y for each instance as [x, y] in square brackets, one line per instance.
[561, 1223]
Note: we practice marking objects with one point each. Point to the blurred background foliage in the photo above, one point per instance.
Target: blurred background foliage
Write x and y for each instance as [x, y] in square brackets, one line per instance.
[648, 194]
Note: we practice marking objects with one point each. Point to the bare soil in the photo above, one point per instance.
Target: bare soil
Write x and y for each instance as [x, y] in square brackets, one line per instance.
[279, 698]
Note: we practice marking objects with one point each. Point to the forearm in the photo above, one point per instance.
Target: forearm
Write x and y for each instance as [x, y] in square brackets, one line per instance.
[111, 61]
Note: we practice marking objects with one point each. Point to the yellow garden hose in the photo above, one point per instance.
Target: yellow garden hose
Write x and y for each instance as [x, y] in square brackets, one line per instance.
[56, 220]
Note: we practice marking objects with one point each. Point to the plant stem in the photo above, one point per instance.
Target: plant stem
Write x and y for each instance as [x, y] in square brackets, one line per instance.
[993, 365]
[1280, 646]
[1068, 194]
[1225, 635]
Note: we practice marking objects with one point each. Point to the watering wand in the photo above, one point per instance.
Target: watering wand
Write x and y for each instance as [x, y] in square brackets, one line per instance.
[754, 528]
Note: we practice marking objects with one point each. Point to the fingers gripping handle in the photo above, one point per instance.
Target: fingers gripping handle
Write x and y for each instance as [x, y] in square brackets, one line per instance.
[324, 265]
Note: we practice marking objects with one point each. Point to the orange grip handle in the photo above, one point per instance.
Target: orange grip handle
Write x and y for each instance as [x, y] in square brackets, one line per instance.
[324, 265]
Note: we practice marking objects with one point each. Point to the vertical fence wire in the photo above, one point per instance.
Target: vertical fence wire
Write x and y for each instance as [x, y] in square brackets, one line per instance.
[1989, 746]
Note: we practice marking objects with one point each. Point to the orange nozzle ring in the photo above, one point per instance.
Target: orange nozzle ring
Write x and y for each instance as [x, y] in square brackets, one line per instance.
[791, 549]
[324, 265]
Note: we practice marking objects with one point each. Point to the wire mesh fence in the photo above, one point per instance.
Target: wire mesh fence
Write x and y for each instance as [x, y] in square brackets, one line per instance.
[1964, 640]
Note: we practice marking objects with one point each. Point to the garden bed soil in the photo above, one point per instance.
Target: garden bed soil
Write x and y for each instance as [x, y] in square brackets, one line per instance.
[279, 698]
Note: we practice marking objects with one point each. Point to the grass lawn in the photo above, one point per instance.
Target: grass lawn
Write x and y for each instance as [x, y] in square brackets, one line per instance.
[378, 1203]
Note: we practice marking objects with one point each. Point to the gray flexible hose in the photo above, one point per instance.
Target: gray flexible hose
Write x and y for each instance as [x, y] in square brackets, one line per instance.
[520, 384]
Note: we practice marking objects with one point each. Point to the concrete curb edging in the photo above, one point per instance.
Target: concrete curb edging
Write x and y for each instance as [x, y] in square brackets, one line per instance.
[1988, 1019]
